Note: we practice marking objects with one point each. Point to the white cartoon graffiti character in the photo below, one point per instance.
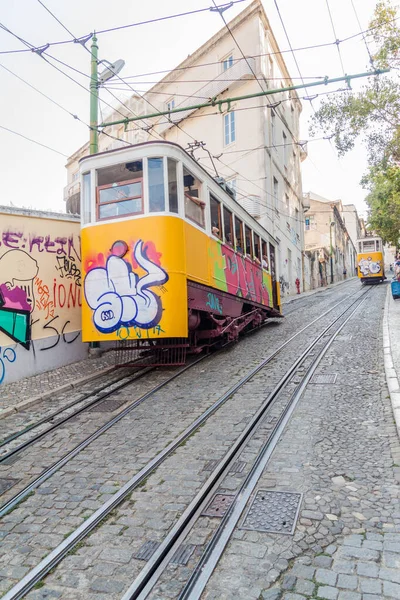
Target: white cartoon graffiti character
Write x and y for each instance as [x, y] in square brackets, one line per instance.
[118, 297]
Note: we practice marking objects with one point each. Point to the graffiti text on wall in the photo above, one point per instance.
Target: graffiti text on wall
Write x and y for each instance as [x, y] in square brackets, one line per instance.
[37, 289]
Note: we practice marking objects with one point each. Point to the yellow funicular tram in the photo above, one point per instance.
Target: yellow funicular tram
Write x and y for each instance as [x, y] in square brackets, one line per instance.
[370, 261]
[168, 255]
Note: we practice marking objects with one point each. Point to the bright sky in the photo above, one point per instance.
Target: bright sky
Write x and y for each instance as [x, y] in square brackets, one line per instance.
[33, 176]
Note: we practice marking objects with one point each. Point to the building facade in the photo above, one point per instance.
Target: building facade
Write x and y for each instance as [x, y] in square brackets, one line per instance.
[327, 241]
[40, 292]
[253, 144]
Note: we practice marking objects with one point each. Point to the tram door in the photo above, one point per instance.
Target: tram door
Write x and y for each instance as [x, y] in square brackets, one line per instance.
[273, 274]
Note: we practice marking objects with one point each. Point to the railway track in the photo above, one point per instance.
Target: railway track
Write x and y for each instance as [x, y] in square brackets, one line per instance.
[161, 555]
[95, 397]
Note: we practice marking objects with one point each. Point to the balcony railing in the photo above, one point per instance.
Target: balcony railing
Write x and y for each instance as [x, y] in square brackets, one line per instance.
[231, 78]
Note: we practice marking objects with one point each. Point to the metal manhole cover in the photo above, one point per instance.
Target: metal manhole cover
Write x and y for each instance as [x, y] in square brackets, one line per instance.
[273, 512]
[218, 505]
[182, 556]
[324, 378]
[6, 484]
[146, 551]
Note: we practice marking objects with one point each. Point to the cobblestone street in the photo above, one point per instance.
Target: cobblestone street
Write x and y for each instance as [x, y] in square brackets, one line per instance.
[340, 451]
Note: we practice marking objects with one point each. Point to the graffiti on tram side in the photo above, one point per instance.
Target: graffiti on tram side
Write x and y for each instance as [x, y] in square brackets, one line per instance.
[235, 274]
[136, 333]
[118, 296]
[39, 283]
[368, 266]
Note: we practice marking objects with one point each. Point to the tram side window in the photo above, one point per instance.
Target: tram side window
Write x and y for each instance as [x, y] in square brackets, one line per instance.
[194, 206]
[228, 227]
[156, 185]
[264, 255]
[172, 185]
[239, 235]
[120, 190]
[215, 209]
[257, 249]
[85, 202]
[249, 241]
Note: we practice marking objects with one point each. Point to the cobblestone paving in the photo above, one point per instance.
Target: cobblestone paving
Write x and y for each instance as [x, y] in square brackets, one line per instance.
[342, 452]
[18, 391]
[44, 519]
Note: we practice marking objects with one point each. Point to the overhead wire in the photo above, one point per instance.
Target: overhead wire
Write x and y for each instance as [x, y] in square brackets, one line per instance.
[33, 141]
[43, 94]
[84, 38]
[371, 60]
[334, 33]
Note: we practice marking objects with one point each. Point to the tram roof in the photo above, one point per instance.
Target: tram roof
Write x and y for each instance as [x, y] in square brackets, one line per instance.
[119, 151]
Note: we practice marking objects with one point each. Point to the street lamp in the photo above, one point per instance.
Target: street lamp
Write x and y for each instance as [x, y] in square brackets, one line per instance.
[95, 81]
[332, 224]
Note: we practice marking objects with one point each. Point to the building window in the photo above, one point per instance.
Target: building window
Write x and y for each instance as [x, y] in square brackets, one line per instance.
[271, 72]
[275, 194]
[229, 128]
[170, 104]
[273, 127]
[285, 148]
[287, 204]
[307, 222]
[227, 62]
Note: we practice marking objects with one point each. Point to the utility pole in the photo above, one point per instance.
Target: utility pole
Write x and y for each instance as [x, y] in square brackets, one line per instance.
[332, 224]
[94, 98]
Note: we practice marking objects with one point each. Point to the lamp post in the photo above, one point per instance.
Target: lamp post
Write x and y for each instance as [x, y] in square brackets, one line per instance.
[332, 224]
[96, 81]
[94, 98]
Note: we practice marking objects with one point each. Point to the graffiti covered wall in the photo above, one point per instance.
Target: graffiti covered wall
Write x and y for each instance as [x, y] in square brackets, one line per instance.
[40, 292]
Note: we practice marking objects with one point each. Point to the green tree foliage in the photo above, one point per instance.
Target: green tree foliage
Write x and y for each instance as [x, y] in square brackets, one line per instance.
[373, 114]
[384, 202]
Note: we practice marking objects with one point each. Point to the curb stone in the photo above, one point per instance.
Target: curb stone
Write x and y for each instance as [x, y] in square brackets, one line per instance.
[391, 375]
[36, 399]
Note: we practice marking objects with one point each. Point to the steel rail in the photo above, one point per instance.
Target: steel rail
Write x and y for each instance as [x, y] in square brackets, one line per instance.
[147, 578]
[58, 424]
[51, 416]
[11, 504]
[56, 555]
[195, 586]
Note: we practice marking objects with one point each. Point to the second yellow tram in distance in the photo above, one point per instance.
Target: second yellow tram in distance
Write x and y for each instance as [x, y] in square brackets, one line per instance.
[370, 260]
[168, 254]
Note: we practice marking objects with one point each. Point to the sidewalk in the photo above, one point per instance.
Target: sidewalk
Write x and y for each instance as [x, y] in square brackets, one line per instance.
[26, 392]
[318, 290]
[391, 349]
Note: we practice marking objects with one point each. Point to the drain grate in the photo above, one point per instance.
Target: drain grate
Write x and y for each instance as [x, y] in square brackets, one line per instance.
[324, 378]
[210, 465]
[218, 505]
[273, 512]
[6, 484]
[147, 550]
[182, 556]
[108, 405]
[237, 467]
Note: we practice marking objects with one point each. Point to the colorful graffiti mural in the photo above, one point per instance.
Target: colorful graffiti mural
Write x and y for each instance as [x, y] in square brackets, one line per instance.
[235, 274]
[39, 284]
[118, 296]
